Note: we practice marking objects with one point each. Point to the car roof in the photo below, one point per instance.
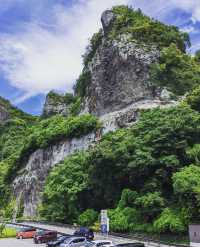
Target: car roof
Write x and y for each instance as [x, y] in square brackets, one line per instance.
[132, 244]
[102, 241]
[73, 238]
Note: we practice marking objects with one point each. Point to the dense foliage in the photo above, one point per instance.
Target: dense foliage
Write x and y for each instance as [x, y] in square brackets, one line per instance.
[177, 71]
[144, 29]
[136, 172]
[193, 99]
[19, 138]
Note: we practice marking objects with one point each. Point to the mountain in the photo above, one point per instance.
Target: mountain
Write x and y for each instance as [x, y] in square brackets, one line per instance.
[7, 111]
[127, 139]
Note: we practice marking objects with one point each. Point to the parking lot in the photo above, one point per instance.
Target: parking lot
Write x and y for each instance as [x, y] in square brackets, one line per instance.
[64, 230]
[18, 243]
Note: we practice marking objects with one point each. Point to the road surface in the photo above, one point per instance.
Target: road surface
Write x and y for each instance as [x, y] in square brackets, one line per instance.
[11, 242]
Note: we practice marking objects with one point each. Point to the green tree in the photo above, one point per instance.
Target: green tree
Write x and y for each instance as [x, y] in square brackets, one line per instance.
[170, 221]
[176, 70]
[66, 181]
[193, 99]
[186, 184]
[88, 218]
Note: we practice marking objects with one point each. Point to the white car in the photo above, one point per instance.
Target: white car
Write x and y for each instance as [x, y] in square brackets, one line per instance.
[74, 242]
[99, 243]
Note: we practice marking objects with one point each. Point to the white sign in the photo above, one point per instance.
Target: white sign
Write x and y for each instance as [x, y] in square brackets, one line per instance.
[104, 221]
[104, 216]
[108, 224]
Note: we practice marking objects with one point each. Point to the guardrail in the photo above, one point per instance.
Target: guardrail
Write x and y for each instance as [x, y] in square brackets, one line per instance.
[149, 241]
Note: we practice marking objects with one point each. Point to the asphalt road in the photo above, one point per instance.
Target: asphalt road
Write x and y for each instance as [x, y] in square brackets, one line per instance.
[11, 242]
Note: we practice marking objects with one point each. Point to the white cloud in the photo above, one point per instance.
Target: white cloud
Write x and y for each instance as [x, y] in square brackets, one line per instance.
[40, 59]
[190, 6]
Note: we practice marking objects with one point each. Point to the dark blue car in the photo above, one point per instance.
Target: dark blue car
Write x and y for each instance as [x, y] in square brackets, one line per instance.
[84, 232]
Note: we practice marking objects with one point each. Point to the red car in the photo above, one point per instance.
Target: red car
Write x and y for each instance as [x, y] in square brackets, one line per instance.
[44, 236]
[26, 233]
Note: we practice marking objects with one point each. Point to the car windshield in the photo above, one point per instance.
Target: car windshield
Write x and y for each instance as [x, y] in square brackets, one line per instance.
[67, 241]
[62, 238]
[40, 233]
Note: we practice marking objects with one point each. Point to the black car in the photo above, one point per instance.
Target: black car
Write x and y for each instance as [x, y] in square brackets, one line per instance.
[85, 232]
[130, 245]
[58, 241]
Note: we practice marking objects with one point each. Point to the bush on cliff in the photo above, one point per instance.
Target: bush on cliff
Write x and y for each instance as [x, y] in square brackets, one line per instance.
[177, 71]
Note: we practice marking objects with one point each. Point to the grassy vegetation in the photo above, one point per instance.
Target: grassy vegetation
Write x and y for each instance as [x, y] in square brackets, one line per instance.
[8, 233]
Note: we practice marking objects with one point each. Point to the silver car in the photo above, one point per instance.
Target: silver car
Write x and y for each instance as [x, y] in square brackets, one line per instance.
[74, 242]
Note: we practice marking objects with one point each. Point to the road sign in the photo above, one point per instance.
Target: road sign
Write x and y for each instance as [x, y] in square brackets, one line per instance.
[104, 217]
[104, 229]
[104, 222]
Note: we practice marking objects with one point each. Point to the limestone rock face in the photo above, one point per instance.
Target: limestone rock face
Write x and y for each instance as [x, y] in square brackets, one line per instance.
[55, 104]
[28, 186]
[119, 75]
[129, 115]
[106, 19]
[4, 115]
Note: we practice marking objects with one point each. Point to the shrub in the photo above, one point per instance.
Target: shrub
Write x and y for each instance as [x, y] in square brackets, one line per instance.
[82, 83]
[193, 99]
[169, 221]
[128, 198]
[95, 42]
[118, 221]
[144, 29]
[88, 217]
[8, 233]
[175, 70]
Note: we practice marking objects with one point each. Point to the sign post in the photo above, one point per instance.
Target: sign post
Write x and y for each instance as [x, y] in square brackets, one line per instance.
[104, 222]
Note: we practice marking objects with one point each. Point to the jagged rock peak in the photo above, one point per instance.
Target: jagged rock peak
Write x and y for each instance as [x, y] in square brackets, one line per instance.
[56, 103]
[107, 19]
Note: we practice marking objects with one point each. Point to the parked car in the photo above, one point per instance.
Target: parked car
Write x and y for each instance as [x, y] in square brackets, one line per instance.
[85, 232]
[99, 243]
[130, 245]
[74, 242]
[58, 241]
[26, 233]
[44, 236]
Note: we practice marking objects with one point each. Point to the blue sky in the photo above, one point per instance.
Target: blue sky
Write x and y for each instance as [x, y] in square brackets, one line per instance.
[41, 41]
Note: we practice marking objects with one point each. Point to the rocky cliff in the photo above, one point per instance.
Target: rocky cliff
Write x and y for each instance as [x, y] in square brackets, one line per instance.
[57, 104]
[28, 186]
[117, 87]
[119, 72]
[4, 115]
